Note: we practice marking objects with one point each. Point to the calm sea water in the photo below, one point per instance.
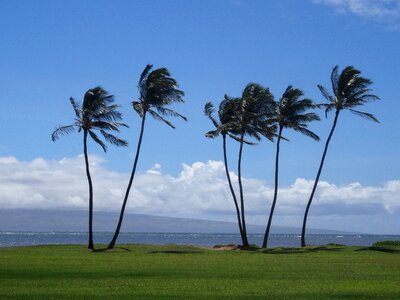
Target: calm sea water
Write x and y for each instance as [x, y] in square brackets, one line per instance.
[8, 239]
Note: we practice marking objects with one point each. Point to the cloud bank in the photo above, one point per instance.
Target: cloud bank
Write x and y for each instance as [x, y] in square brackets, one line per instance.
[199, 191]
[382, 11]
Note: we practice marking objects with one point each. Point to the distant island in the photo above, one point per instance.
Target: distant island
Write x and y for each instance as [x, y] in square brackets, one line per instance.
[37, 220]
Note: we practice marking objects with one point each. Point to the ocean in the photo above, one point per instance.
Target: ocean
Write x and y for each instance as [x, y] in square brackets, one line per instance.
[9, 239]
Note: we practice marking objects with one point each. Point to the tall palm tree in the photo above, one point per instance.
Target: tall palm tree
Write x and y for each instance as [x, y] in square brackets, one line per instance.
[350, 90]
[290, 114]
[157, 89]
[256, 106]
[226, 115]
[97, 112]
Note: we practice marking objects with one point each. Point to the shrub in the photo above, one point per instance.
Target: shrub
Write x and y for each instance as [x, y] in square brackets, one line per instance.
[386, 243]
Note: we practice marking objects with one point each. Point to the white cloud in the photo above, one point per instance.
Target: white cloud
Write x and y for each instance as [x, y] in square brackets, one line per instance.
[200, 191]
[383, 11]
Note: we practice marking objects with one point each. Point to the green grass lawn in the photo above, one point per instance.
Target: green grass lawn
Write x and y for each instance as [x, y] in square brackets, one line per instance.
[185, 272]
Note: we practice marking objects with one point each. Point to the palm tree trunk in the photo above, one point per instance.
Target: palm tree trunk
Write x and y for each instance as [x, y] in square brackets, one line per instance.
[245, 242]
[89, 178]
[303, 231]
[232, 191]
[266, 235]
[128, 189]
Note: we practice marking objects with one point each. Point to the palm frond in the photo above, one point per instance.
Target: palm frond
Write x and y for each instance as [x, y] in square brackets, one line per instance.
[301, 105]
[256, 134]
[113, 139]
[169, 112]
[269, 131]
[234, 137]
[113, 126]
[325, 93]
[76, 107]
[212, 134]
[209, 112]
[359, 100]
[327, 110]
[302, 118]
[307, 132]
[284, 138]
[349, 79]
[365, 115]
[237, 139]
[108, 113]
[290, 95]
[233, 127]
[335, 80]
[97, 140]
[62, 130]
[145, 72]
[327, 106]
[160, 118]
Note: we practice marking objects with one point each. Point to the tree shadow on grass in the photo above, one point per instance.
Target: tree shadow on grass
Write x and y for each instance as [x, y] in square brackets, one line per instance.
[380, 249]
[175, 252]
[309, 249]
[113, 249]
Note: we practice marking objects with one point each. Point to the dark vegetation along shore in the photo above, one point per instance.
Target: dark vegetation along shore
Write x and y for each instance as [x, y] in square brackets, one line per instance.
[187, 272]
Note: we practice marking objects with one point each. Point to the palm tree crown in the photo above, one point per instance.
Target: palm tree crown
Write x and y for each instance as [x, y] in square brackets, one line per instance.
[256, 107]
[227, 115]
[290, 112]
[350, 90]
[157, 89]
[250, 115]
[97, 112]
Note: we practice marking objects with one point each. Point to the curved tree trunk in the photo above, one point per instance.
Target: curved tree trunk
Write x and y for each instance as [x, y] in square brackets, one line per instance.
[303, 231]
[89, 178]
[271, 213]
[232, 190]
[245, 242]
[128, 189]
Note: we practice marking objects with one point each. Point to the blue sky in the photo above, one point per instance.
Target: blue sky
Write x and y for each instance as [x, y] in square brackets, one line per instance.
[51, 50]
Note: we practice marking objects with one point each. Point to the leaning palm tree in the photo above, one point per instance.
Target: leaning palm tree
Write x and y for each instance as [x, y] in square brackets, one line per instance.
[350, 90]
[290, 114]
[157, 89]
[226, 115]
[96, 113]
[256, 106]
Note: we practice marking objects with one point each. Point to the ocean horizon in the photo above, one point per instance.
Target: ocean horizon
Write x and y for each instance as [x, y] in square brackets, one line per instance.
[26, 238]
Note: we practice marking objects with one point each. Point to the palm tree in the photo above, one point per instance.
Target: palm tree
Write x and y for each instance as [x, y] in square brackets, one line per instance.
[256, 106]
[157, 89]
[350, 90]
[290, 114]
[96, 113]
[226, 114]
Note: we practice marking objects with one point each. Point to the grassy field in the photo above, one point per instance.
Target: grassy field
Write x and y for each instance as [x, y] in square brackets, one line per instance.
[185, 272]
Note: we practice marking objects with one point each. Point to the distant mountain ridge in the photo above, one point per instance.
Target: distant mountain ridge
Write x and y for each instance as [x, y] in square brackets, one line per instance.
[76, 221]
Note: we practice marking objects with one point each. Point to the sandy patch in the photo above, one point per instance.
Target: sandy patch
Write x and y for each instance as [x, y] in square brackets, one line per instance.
[229, 247]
